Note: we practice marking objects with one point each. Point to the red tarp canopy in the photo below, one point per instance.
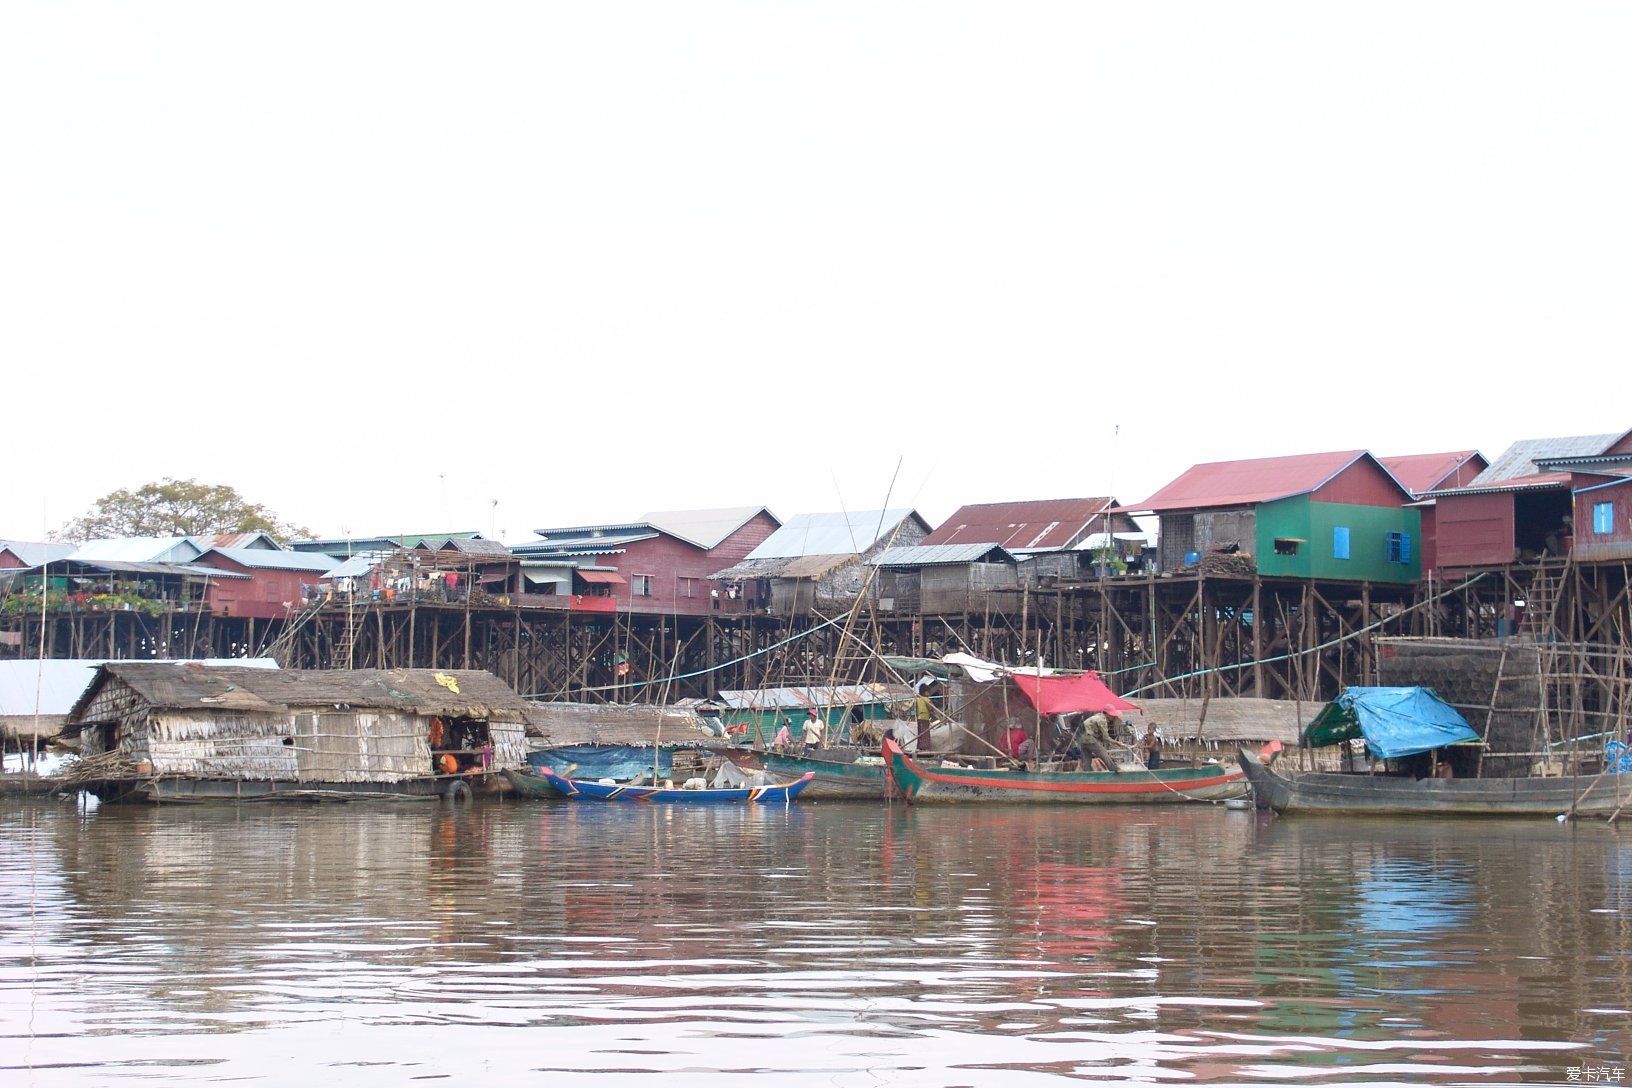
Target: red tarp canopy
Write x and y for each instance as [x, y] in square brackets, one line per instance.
[1085, 694]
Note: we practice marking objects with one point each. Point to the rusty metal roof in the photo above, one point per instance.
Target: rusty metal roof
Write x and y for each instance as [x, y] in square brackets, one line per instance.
[941, 555]
[1245, 483]
[1038, 525]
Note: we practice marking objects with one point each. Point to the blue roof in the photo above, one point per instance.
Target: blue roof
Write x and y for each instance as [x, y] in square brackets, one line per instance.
[1394, 721]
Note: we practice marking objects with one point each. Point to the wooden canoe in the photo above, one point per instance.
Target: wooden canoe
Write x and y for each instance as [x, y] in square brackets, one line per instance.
[546, 783]
[1380, 795]
[921, 784]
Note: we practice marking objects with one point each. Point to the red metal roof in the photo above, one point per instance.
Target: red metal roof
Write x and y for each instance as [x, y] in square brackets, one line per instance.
[1421, 472]
[1245, 483]
[1041, 524]
[602, 577]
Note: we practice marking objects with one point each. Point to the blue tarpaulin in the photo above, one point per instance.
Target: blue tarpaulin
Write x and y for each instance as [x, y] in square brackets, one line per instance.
[1394, 721]
[619, 762]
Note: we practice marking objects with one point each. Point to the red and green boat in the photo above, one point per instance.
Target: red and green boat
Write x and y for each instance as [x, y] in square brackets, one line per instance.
[925, 785]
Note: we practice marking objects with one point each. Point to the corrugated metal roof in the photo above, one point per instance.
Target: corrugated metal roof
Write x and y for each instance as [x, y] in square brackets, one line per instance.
[1244, 483]
[143, 549]
[33, 552]
[1519, 483]
[804, 567]
[582, 541]
[359, 564]
[245, 540]
[263, 559]
[110, 566]
[814, 695]
[62, 680]
[472, 546]
[839, 533]
[480, 694]
[1419, 472]
[1038, 525]
[940, 555]
[1519, 459]
[707, 529]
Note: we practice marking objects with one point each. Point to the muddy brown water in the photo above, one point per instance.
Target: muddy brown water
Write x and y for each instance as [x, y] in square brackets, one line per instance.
[834, 944]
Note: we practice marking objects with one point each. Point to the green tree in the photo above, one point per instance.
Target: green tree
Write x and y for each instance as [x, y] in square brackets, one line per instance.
[176, 508]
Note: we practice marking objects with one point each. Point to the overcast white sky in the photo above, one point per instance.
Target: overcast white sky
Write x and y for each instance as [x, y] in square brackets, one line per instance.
[378, 265]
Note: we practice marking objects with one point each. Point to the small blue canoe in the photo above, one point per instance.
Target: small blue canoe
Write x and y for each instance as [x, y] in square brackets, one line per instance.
[542, 779]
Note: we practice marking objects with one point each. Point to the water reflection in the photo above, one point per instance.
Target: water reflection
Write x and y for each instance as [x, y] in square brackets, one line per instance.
[828, 944]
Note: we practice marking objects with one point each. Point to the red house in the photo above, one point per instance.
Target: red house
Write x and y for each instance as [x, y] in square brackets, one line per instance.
[1603, 520]
[658, 564]
[1421, 473]
[1525, 504]
[274, 582]
[1424, 472]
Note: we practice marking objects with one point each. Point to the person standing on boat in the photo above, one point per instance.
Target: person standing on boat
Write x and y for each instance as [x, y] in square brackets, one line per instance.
[814, 733]
[783, 741]
[923, 711]
[1096, 736]
[1151, 745]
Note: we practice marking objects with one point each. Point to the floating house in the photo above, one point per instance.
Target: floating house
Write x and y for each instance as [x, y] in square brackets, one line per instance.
[1339, 515]
[660, 563]
[187, 733]
[1524, 505]
[36, 696]
[814, 562]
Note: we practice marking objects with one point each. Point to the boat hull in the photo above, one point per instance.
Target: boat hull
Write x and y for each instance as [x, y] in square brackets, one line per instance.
[1357, 795]
[835, 780]
[233, 791]
[546, 783]
[923, 785]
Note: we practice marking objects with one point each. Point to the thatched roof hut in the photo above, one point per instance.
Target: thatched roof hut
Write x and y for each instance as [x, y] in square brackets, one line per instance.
[332, 727]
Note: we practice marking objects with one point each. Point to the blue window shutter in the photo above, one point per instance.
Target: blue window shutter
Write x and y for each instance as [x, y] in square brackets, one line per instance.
[1399, 547]
[1603, 517]
[1340, 542]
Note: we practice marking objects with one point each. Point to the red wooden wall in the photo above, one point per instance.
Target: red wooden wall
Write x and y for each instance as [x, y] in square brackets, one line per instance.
[1617, 544]
[1364, 483]
[1473, 530]
[264, 595]
[668, 560]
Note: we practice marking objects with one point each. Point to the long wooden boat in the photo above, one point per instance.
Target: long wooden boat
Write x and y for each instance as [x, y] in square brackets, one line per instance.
[835, 779]
[546, 783]
[924, 784]
[1360, 794]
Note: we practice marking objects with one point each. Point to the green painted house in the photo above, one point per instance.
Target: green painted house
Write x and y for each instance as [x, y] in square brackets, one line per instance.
[1327, 516]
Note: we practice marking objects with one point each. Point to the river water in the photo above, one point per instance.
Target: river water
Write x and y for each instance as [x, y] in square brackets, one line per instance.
[845, 945]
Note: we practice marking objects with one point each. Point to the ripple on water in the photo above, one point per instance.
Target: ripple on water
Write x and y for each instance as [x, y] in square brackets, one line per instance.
[821, 944]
